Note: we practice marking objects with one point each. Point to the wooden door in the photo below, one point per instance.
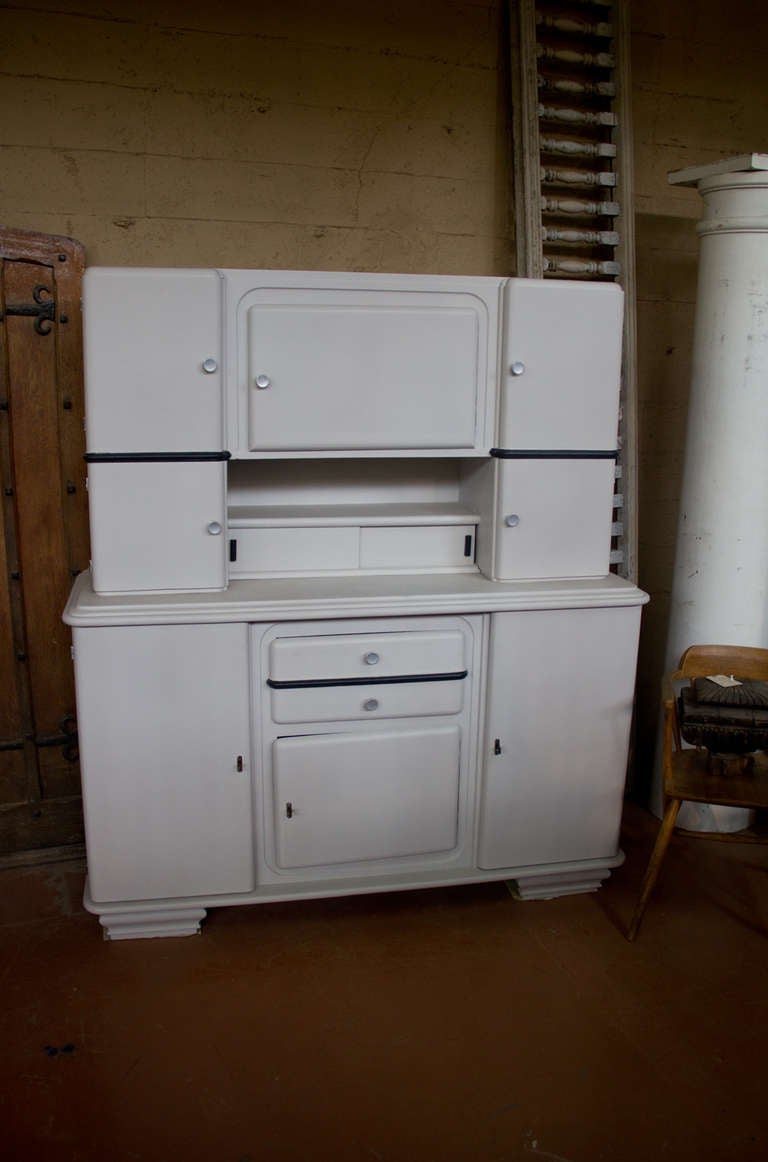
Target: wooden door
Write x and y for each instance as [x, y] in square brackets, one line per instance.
[43, 536]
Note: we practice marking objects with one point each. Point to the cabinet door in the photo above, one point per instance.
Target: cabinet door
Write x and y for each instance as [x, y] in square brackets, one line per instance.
[153, 354]
[163, 717]
[560, 695]
[564, 341]
[554, 518]
[158, 526]
[354, 369]
[341, 798]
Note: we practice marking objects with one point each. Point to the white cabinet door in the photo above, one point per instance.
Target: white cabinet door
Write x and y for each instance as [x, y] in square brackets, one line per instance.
[157, 526]
[365, 369]
[153, 357]
[554, 518]
[561, 365]
[560, 693]
[343, 798]
[163, 717]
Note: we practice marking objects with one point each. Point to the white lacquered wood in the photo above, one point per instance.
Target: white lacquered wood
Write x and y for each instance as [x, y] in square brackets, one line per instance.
[561, 365]
[378, 654]
[148, 334]
[163, 717]
[294, 549]
[553, 518]
[153, 526]
[440, 547]
[369, 702]
[560, 690]
[368, 796]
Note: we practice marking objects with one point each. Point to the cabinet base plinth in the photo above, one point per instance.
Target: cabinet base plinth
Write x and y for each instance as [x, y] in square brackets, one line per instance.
[142, 923]
[547, 887]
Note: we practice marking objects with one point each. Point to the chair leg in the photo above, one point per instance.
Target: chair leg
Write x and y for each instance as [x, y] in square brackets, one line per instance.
[654, 864]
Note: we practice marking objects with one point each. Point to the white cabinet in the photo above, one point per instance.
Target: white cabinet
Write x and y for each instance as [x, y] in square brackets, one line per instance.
[153, 360]
[377, 648]
[165, 753]
[157, 525]
[342, 798]
[560, 690]
[561, 365]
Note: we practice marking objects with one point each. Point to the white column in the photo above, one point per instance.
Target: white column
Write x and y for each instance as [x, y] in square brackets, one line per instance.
[720, 584]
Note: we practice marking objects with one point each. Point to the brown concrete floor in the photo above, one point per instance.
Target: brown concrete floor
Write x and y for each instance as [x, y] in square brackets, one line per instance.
[413, 1027]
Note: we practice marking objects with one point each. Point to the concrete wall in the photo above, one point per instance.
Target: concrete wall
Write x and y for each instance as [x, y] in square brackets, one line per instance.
[323, 134]
[344, 134]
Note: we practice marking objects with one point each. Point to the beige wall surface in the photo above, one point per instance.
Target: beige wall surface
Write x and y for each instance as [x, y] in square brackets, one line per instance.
[318, 134]
[348, 134]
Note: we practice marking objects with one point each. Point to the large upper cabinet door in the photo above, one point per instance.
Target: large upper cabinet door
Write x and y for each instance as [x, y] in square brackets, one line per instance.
[561, 365]
[560, 693]
[164, 744]
[153, 360]
[367, 369]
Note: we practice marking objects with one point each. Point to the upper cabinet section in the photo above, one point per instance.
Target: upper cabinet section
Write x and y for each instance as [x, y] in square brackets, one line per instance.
[561, 365]
[153, 360]
[349, 363]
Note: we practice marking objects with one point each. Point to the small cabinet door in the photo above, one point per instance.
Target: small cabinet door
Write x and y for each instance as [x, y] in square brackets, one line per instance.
[554, 518]
[365, 369]
[560, 692]
[343, 798]
[153, 355]
[157, 526]
[164, 718]
[561, 365]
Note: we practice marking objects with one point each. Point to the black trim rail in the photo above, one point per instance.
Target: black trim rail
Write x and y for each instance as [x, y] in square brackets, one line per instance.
[550, 454]
[397, 679]
[154, 457]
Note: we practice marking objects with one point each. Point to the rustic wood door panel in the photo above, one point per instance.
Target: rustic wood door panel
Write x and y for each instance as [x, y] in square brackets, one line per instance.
[44, 540]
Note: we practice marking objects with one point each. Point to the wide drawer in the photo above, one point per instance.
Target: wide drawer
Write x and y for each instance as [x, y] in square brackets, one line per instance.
[370, 656]
[396, 699]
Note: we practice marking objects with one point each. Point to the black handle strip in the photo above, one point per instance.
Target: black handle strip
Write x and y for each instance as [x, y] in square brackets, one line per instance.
[397, 679]
[549, 454]
[154, 457]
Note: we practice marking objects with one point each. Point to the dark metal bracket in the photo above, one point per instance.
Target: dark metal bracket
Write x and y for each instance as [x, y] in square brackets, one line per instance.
[43, 310]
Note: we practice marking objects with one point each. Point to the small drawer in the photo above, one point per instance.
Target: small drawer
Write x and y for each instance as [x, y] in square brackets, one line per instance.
[373, 656]
[385, 700]
[264, 551]
[449, 547]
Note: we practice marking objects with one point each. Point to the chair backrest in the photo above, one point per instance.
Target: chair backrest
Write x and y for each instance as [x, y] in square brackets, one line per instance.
[741, 661]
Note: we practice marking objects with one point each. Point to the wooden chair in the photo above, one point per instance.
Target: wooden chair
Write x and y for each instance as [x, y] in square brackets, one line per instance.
[687, 773]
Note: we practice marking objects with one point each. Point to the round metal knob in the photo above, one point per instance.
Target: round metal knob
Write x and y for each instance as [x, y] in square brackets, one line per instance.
[371, 659]
[214, 528]
[517, 369]
[371, 704]
[512, 520]
[262, 381]
[209, 366]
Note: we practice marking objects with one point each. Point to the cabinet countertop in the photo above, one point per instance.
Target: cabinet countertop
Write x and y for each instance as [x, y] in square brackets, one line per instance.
[310, 598]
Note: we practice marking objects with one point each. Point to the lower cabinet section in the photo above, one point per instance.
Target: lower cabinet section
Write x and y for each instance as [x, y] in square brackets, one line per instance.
[340, 798]
[560, 692]
[165, 754]
[228, 763]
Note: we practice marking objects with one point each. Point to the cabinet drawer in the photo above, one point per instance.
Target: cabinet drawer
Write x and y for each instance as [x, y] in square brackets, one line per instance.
[402, 699]
[340, 798]
[372, 656]
[418, 547]
[294, 550]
